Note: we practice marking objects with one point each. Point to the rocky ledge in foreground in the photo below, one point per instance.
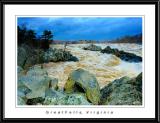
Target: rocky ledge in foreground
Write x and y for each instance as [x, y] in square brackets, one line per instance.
[129, 57]
[123, 91]
[93, 47]
[35, 87]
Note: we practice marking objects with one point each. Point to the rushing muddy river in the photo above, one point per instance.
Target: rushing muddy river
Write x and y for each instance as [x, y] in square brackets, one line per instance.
[105, 67]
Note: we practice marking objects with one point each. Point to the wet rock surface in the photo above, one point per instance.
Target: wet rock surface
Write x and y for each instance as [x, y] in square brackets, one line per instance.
[36, 88]
[27, 56]
[123, 91]
[59, 98]
[129, 57]
[34, 83]
[55, 55]
[82, 88]
[83, 81]
[93, 47]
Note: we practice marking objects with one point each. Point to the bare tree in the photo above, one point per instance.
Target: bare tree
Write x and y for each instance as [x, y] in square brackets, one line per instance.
[65, 45]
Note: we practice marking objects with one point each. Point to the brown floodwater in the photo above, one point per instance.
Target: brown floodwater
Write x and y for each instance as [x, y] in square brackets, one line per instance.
[105, 67]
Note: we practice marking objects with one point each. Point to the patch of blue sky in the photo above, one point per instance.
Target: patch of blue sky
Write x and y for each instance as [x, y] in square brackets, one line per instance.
[87, 28]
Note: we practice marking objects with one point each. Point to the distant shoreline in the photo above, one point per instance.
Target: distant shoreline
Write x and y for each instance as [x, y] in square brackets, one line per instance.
[101, 43]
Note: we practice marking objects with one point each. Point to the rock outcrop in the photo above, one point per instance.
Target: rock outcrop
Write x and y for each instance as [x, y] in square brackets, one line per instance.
[93, 47]
[55, 55]
[36, 88]
[34, 83]
[59, 98]
[84, 82]
[81, 88]
[28, 56]
[123, 91]
[129, 57]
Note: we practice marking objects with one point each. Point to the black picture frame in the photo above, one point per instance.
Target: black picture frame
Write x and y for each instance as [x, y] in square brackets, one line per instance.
[43, 2]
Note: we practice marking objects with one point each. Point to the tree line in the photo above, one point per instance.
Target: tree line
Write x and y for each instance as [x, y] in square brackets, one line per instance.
[28, 36]
[129, 39]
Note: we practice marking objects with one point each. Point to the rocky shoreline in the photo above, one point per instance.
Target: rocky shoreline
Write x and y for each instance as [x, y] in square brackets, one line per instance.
[81, 88]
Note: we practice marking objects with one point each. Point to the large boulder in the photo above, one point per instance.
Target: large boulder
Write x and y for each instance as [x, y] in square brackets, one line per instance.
[19, 69]
[93, 47]
[54, 97]
[54, 84]
[34, 83]
[55, 55]
[22, 90]
[85, 82]
[32, 86]
[22, 55]
[28, 56]
[122, 91]
[35, 58]
[77, 99]
[139, 82]
[21, 101]
[129, 57]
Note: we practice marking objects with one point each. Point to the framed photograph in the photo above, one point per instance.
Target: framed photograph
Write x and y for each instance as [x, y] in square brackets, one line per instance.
[79, 61]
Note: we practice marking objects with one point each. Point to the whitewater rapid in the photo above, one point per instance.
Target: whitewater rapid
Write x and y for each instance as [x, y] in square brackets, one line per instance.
[106, 67]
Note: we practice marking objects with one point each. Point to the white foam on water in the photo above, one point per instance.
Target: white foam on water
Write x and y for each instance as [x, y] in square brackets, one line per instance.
[129, 69]
[106, 67]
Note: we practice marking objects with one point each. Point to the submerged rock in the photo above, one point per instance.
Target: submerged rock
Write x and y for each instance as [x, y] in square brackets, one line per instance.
[122, 91]
[93, 47]
[85, 82]
[129, 57]
[55, 55]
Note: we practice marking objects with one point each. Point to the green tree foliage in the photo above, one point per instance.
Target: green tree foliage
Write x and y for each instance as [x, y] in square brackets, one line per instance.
[129, 39]
[26, 36]
[31, 37]
[47, 35]
[21, 34]
[46, 39]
